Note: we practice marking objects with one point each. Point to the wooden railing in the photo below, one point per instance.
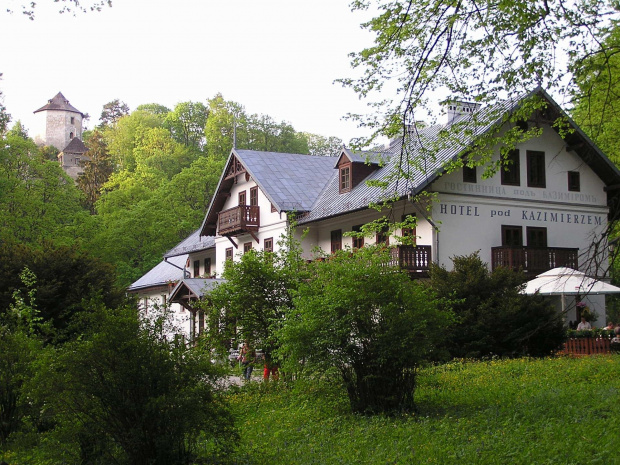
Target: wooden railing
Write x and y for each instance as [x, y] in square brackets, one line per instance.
[414, 259]
[534, 260]
[238, 220]
[587, 346]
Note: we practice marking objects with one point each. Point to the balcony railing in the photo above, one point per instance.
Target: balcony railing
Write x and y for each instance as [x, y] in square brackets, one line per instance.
[534, 260]
[239, 220]
[414, 259]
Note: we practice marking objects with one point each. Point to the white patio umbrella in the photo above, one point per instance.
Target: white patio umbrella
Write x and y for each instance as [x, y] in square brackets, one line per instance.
[566, 281]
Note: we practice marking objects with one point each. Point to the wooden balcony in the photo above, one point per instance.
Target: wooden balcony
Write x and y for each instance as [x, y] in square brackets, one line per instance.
[534, 260]
[414, 259]
[239, 220]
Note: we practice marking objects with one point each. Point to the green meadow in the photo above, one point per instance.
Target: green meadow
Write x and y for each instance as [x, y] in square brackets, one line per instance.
[524, 411]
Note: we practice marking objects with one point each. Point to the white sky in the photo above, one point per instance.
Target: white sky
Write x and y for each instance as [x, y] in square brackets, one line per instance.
[276, 57]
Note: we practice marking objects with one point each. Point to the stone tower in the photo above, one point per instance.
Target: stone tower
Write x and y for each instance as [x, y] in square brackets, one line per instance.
[63, 122]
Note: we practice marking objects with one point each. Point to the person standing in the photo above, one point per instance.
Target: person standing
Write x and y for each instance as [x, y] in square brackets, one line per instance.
[247, 357]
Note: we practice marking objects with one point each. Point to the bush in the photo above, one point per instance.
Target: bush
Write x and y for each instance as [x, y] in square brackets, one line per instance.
[492, 317]
[369, 321]
[123, 393]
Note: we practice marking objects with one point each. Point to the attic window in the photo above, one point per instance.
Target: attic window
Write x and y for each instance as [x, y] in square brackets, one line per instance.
[345, 178]
[574, 183]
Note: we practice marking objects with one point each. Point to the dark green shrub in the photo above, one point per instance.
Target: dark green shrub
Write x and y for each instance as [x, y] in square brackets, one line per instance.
[125, 393]
[370, 322]
[492, 317]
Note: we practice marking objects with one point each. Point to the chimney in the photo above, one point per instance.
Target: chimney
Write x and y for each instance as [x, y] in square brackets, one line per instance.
[458, 108]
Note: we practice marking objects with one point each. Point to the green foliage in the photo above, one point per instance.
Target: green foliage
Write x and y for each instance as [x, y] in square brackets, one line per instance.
[112, 112]
[38, 202]
[19, 346]
[97, 169]
[365, 318]
[492, 317]
[521, 411]
[125, 393]
[597, 95]
[187, 123]
[66, 279]
[250, 305]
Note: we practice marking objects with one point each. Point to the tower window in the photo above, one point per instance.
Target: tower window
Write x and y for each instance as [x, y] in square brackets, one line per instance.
[72, 120]
[71, 135]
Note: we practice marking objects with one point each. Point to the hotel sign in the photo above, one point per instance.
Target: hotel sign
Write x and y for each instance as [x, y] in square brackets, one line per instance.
[521, 193]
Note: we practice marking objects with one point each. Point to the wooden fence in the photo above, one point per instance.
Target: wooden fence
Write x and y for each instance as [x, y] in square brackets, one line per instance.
[587, 346]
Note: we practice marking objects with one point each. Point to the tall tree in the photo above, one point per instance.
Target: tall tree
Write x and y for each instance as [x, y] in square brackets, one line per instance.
[475, 51]
[97, 169]
[5, 118]
[112, 112]
[187, 123]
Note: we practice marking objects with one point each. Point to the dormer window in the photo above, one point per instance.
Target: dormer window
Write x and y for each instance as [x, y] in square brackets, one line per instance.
[345, 178]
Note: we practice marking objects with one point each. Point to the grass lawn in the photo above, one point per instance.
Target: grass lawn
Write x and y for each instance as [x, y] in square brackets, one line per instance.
[551, 411]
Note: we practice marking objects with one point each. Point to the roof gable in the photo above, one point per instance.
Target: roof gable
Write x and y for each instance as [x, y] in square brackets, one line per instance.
[75, 146]
[291, 182]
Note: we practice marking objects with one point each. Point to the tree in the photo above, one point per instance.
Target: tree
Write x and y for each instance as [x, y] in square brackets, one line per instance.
[68, 6]
[365, 318]
[97, 169]
[187, 123]
[126, 393]
[154, 108]
[482, 52]
[38, 202]
[322, 146]
[18, 130]
[112, 112]
[250, 305]
[492, 317]
[65, 279]
[5, 118]
[597, 94]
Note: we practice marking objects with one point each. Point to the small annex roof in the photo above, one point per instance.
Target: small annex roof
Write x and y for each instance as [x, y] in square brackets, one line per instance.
[59, 102]
[193, 243]
[161, 274]
[291, 182]
[362, 156]
[75, 146]
[193, 289]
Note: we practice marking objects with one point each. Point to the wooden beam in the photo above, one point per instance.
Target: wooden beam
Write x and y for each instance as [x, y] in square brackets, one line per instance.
[233, 242]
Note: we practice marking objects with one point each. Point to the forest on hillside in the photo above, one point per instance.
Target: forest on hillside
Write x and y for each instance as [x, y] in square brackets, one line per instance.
[146, 187]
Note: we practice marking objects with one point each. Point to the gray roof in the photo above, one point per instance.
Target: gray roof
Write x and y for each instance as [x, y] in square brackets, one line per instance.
[193, 243]
[292, 182]
[433, 148]
[75, 146]
[59, 102]
[161, 274]
[197, 286]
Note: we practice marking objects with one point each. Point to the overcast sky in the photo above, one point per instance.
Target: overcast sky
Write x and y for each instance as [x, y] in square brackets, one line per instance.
[276, 57]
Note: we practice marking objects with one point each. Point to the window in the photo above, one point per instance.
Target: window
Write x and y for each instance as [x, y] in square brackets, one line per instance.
[382, 236]
[268, 245]
[409, 232]
[242, 198]
[207, 266]
[574, 183]
[511, 169]
[345, 179]
[71, 135]
[536, 237]
[358, 242]
[536, 169]
[247, 247]
[512, 236]
[469, 174]
[196, 268]
[229, 253]
[273, 208]
[254, 196]
[72, 120]
[336, 240]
